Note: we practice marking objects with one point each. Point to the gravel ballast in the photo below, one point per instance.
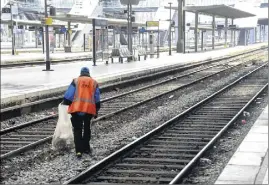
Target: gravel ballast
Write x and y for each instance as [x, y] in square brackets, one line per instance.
[108, 136]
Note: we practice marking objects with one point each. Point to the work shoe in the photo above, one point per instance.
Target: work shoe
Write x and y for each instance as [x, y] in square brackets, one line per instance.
[79, 155]
[88, 151]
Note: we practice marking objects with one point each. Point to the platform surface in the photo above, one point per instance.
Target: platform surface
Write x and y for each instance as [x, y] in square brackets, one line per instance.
[19, 81]
[249, 164]
[23, 57]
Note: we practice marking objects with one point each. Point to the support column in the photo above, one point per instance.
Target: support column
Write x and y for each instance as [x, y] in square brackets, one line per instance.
[170, 28]
[184, 28]
[235, 31]
[213, 32]
[12, 31]
[264, 33]
[255, 29]
[59, 35]
[260, 33]
[93, 43]
[130, 29]
[202, 40]
[47, 41]
[114, 38]
[180, 30]
[225, 31]
[196, 32]
[143, 40]
[68, 34]
[43, 41]
[232, 33]
[36, 37]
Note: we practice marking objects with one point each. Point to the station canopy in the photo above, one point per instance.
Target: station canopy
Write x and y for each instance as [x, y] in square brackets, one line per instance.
[217, 10]
[88, 20]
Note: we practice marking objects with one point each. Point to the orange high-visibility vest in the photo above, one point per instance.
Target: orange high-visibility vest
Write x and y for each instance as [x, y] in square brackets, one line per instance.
[84, 100]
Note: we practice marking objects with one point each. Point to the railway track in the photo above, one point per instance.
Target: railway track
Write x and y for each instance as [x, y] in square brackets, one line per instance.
[17, 139]
[8, 111]
[167, 153]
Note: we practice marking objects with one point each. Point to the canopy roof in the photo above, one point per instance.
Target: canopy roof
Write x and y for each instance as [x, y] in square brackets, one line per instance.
[88, 20]
[217, 10]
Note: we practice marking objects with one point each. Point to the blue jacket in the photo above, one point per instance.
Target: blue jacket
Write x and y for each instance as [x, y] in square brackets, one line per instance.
[70, 93]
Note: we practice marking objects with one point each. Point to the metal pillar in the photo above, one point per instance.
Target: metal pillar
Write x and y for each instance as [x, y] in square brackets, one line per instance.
[260, 33]
[180, 30]
[93, 43]
[225, 31]
[170, 27]
[235, 37]
[68, 34]
[47, 40]
[184, 28]
[264, 33]
[43, 41]
[114, 38]
[59, 35]
[143, 40]
[130, 28]
[196, 32]
[213, 32]
[255, 30]
[84, 42]
[12, 30]
[232, 32]
[202, 41]
[158, 44]
[36, 37]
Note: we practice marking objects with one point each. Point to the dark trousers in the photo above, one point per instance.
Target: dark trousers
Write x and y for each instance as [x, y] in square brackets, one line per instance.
[82, 141]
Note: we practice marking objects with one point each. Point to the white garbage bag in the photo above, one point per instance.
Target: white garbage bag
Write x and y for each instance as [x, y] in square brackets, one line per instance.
[63, 137]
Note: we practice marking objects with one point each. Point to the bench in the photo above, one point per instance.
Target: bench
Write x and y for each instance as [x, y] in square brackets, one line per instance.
[142, 52]
[120, 53]
[125, 53]
[115, 54]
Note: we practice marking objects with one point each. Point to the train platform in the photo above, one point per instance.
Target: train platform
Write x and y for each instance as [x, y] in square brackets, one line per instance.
[33, 56]
[22, 83]
[249, 164]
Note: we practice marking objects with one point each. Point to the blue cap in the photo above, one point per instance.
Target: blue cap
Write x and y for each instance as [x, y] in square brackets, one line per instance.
[84, 70]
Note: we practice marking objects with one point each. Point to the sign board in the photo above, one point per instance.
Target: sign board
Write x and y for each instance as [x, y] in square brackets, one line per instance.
[220, 26]
[142, 30]
[31, 28]
[124, 29]
[232, 26]
[132, 2]
[63, 30]
[48, 21]
[152, 23]
[100, 22]
[70, 32]
[20, 27]
[6, 10]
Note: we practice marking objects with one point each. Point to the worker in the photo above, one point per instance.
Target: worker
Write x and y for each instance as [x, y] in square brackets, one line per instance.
[83, 98]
